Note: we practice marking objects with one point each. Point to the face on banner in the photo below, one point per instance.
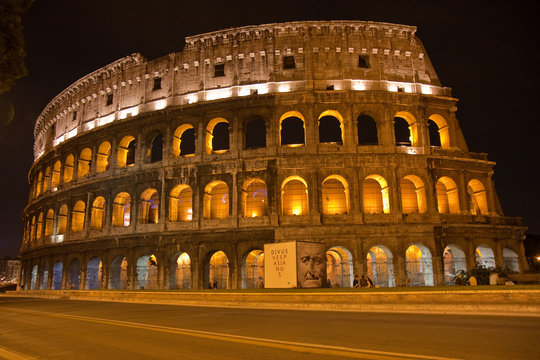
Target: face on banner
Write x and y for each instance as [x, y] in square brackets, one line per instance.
[311, 262]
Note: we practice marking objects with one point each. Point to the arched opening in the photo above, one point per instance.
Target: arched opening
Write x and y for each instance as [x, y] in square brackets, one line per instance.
[147, 272]
[419, 266]
[439, 134]
[58, 268]
[510, 260]
[413, 195]
[39, 185]
[126, 151]
[447, 196]
[98, 213]
[255, 137]
[184, 140]
[217, 271]
[121, 213]
[253, 270]
[33, 280]
[294, 196]
[118, 279]
[484, 256]
[156, 148]
[405, 129]
[255, 198]
[102, 157]
[292, 129]
[217, 136]
[46, 179]
[33, 229]
[49, 223]
[339, 267]
[55, 178]
[477, 197]
[44, 276]
[39, 226]
[380, 266]
[77, 216]
[180, 271]
[61, 221]
[331, 128]
[216, 200]
[68, 168]
[149, 207]
[181, 203]
[85, 162]
[335, 195]
[454, 263]
[367, 130]
[93, 273]
[376, 195]
[74, 274]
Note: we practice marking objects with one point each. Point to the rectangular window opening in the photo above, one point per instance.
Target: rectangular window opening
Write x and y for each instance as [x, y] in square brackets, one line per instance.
[109, 99]
[74, 115]
[363, 61]
[157, 84]
[329, 87]
[219, 70]
[288, 62]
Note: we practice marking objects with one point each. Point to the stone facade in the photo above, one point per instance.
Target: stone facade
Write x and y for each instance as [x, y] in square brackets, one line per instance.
[118, 199]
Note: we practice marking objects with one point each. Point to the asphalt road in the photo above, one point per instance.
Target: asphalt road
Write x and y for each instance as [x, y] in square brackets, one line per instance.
[69, 329]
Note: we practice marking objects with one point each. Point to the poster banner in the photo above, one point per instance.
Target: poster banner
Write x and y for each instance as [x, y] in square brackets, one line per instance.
[280, 265]
[311, 264]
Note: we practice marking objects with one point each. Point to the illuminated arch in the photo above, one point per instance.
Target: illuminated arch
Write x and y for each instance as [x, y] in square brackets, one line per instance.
[339, 267]
[485, 256]
[253, 270]
[84, 163]
[49, 223]
[118, 277]
[39, 184]
[218, 270]
[255, 198]
[454, 263]
[147, 272]
[39, 226]
[98, 213]
[181, 203]
[121, 214]
[74, 274]
[478, 197]
[419, 266]
[376, 196]
[33, 229]
[447, 196]
[330, 131]
[55, 178]
[77, 216]
[413, 195]
[335, 195]
[94, 272]
[46, 179]
[58, 269]
[211, 137]
[413, 126]
[102, 157]
[510, 260]
[180, 271]
[216, 200]
[380, 266]
[149, 207]
[126, 151]
[155, 149]
[287, 130]
[69, 165]
[294, 196]
[183, 143]
[61, 221]
[442, 130]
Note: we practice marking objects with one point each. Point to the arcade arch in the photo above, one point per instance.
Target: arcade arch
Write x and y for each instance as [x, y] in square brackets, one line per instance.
[477, 197]
[147, 272]
[439, 134]
[294, 196]
[253, 270]
[126, 151]
[447, 196]
[98, 213]
[419, 266]
[84, 163]
[94, 272]
[292, 129]
[335, 195]
[376, 197]
[180, 271]
[77, 216]
[339, 267]
[413, 195]
[380, 266]
[121, 213]
[484, 256]
[331, 127]
[183, 143]
[149, 207]
[217, 270]
[255, 198]
[69, 165]
[510, 260]
[216, 200]
[181, 203]
[102, 157]
[217, 136]
[454, 263]
[58, 268]
[118, 278]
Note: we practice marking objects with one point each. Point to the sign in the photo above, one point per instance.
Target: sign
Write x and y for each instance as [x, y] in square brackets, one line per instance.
[280, 265]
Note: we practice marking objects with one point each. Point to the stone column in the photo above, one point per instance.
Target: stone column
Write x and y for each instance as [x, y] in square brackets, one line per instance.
[498, 253]
[471, 255]
[400, 270]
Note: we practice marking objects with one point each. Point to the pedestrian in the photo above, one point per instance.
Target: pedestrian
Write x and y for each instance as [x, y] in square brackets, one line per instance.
[355, 282]
[363, 282]
[370, 283]
[460, 280]
[473, 281]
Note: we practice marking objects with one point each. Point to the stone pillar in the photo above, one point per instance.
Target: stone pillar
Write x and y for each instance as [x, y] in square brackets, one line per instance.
[50, 273]
[65, 270]
[471, 255]
[498, 253]
[400, 270]
[82, 280]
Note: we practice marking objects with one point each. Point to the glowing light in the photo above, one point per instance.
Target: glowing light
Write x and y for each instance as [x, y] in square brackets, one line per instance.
[131, 111]
[262, 89]
[426, 89]
[294, 145]
[284, 87]
[60, 238]
[297, 210]
[218, 94]
[192, 99]
[71, 133]
[160, 104]
[392, 87]
[538, 258]
[89, 125]
[105, 120]
[407, 88]
[244, 91]
[54, 189]
[41, 153]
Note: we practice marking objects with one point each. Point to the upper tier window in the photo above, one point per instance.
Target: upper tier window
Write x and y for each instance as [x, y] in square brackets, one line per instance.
[363, 61]
[288, 62]
[219, 70]
[157, 84]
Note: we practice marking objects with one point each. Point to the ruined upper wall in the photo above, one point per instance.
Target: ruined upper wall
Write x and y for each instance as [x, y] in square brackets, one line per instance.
[338, 55]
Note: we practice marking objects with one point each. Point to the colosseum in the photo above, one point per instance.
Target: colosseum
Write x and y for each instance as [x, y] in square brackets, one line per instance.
[173, 173]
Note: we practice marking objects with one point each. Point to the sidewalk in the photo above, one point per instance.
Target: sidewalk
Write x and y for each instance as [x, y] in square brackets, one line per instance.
[459, 302]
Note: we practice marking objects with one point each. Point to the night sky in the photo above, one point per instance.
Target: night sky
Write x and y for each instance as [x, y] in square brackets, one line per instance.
[486, 51]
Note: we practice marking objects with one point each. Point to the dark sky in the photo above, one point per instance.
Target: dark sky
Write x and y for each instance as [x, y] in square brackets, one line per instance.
[487, 51]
